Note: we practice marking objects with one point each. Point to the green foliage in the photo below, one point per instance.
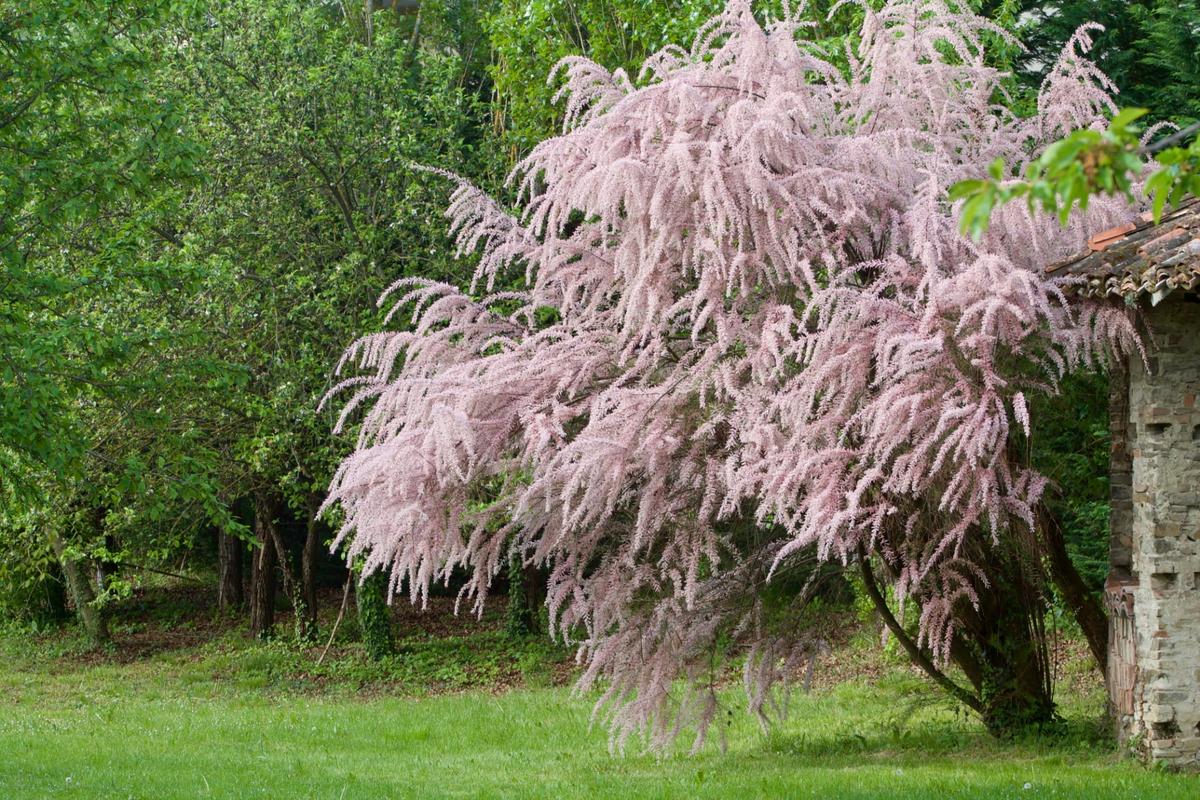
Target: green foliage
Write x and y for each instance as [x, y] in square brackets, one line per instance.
[166, 339]
[528, 38]
[1070, 445]
[309, 208]
[88, 151]
[1167, 75]
[374, 615]
[31, 585]
[1083, 164]
[1067, 173]
[1148, 47]
[1178, 176]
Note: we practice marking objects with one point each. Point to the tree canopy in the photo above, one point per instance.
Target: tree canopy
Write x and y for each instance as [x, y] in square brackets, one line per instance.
[749, 335]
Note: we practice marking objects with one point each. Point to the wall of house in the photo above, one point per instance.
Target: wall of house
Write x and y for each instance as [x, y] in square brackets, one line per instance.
[1164, 441]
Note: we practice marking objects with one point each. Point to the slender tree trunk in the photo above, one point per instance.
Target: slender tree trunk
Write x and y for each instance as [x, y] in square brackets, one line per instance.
[230, 586]
[262, 586]
[308, 561]
[917, 656]
[80, 587]
[305, 625]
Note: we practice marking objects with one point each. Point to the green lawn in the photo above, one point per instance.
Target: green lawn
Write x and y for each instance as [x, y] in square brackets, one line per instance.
[202, 723]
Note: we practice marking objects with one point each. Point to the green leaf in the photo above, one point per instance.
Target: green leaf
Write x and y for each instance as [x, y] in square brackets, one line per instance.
[1126, 116]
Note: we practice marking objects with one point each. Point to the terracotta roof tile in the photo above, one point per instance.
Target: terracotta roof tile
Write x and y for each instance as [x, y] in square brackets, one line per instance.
[1137, 259]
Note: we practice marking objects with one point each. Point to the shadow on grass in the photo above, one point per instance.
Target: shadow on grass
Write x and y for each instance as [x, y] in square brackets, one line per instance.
[909, 722]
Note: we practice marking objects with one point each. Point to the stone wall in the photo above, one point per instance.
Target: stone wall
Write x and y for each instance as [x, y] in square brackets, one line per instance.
[1164, 440]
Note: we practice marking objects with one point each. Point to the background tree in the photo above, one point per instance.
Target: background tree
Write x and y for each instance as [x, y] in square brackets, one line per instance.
[169, 325]
[1147, 47]
[92, 158]
[308, 205]
[81, 139]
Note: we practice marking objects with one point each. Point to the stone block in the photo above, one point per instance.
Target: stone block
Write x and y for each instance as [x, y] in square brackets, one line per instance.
[1157, 714]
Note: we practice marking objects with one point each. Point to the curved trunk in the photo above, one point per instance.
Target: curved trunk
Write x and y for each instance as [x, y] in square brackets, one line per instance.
[1001, 649]
[94, 623]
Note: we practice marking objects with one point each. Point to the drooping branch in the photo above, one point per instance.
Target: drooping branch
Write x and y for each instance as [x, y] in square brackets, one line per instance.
[915, 653]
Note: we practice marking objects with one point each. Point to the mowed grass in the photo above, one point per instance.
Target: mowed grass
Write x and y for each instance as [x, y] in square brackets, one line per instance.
[232, 719]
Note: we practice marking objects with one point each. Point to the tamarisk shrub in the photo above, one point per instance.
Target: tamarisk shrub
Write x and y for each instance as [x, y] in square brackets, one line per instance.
[749, 336]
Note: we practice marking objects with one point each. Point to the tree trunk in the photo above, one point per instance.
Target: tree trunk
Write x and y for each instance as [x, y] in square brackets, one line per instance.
[1000, 647]
[1007, 645]
[917, 656]
[374, 616]
[308, 561]
[262, 586]
[230, 586]
[1015, 689]
[524, 598]
[80, 587]
[305, 626]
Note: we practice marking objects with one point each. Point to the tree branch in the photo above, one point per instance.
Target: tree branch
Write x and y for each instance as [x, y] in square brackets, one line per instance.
[914, 653]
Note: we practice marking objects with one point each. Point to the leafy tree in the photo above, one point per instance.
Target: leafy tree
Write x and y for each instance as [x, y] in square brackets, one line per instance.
[1085, 164]
[527, 36]
[94, 156]
[308, 209]
[751, 337]
[1167, 77]
[199, 200]
[81, 139]
[1146, 47]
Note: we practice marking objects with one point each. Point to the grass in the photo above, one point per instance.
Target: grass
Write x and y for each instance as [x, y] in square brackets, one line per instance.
[230, 719]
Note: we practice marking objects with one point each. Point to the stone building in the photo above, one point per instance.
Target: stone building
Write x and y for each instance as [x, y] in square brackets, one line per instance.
[1153, 592]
